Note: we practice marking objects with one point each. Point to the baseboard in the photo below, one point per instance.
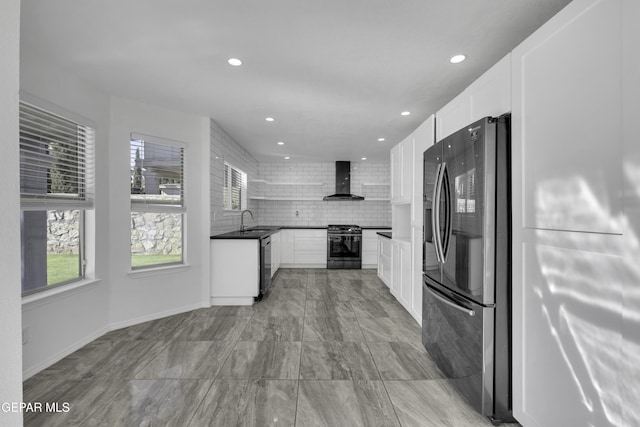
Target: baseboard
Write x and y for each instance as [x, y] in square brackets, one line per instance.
[323, 265]
[231, 301]
[154, 316]
[28, 373]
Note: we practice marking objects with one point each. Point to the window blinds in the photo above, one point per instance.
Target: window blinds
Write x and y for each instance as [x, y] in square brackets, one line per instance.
[56, 161]
[157, 176]
[235, 188]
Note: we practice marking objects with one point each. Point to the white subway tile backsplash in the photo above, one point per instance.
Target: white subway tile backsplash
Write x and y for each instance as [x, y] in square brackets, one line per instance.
[307, 178]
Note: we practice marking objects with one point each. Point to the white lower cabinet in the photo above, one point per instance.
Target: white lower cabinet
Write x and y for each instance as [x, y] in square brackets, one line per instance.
[370, 248]
[235, 271]
[287, 239]
[401, 285]
[275, 253]
[310, 248]
[385, 256]
[303, 248]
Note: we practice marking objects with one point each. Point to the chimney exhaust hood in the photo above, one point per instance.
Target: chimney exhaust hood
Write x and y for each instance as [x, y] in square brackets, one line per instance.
[343, 184]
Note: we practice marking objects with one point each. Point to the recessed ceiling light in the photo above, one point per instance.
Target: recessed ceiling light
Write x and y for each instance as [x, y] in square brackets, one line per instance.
[287, 157]
[380, 139]
[269, 119]
[364, 158]
[457, 59]
[235, 62]
[280, 143]
[405, 113]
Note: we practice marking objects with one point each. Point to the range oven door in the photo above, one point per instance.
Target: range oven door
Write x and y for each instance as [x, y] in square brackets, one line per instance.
[344, 250]
[458, 334]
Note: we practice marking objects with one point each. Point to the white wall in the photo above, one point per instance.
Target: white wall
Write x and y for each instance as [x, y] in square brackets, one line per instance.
[225, 149]
[10, 325]
[138, 297]
[77, 316]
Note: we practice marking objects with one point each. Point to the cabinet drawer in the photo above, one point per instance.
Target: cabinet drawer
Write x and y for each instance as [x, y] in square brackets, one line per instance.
[311, 233]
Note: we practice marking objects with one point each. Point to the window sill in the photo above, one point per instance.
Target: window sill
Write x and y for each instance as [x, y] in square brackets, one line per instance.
[157, 271]
[60, 292]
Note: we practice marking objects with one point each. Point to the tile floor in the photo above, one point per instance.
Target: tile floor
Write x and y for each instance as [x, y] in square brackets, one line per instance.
[325, 348]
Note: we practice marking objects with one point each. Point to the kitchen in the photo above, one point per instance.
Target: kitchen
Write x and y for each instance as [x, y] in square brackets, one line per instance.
[604, 229]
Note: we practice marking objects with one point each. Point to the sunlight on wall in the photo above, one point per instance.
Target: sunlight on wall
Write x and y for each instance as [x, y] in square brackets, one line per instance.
[590, 281]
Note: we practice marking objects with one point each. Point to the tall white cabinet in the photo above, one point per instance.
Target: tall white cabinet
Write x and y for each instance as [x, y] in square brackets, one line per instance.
[489, 95]
[572, 285]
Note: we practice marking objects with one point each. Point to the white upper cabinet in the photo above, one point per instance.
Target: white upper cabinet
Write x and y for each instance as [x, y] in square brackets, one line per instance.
[422, 139]
[489, 95]
[453, 116]
[402, 171]
[567, 117]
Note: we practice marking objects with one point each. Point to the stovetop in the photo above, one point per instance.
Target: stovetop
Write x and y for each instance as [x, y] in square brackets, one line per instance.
[353, 229]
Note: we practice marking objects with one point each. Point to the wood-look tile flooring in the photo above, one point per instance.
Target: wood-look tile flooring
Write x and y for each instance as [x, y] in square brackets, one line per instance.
[324, 348]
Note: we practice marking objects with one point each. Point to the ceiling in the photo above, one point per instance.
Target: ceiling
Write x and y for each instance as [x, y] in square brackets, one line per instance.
[335, 74]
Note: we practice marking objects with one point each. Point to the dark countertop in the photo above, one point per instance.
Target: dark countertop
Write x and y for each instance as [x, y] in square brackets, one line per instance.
[262, 231]
[386, 234]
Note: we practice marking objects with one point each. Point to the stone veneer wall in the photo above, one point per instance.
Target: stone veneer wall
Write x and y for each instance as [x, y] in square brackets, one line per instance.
[156, 233]
[153, 233]
[63, 233]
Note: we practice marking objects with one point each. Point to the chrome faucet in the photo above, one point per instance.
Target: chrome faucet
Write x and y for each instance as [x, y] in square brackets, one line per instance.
[242, 219]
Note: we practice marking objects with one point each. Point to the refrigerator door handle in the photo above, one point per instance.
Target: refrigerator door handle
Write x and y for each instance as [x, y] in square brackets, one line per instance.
[436, 210]
[450, 303]
[435, 214]
[444, 247]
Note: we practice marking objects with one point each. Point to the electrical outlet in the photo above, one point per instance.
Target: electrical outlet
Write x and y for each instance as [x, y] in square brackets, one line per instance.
[297, 213]
[25, 336]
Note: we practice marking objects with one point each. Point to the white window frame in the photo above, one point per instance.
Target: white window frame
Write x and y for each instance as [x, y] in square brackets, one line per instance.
[227, 201]
[38, 117]
[162, 206]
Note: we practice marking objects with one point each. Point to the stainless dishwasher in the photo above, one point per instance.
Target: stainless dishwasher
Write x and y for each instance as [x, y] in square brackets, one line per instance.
[265, 266]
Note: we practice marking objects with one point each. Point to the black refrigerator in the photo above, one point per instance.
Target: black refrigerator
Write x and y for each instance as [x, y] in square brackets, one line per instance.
[466, 325]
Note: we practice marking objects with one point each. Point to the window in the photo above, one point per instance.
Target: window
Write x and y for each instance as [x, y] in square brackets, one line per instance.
[56, 189]
[235, 188]
[157, 202]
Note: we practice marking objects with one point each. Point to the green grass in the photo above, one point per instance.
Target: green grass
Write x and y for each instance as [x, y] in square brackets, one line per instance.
[146, 260]
[61, 268]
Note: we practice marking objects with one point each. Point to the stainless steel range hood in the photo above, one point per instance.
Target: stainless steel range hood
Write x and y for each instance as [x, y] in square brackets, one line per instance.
[343, 184]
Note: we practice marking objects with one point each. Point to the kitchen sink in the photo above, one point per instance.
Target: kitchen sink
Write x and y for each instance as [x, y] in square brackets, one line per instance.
[258, 229]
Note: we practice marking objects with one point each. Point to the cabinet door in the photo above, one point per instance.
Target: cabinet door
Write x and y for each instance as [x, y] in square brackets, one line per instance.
[423, 138]
[275, 253]
[310, 246]
[490, 94]
[402, 171]
[567, 121]
[453, 116]
[567, 354]
[369, 248]
[406, 275]
[385, 261]
[396, 172]
[396, 269]
[567, 258]
[287, 246]
[407, 169]
[416, 271]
